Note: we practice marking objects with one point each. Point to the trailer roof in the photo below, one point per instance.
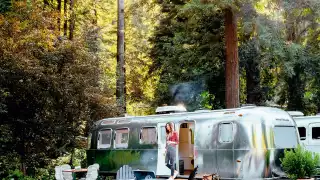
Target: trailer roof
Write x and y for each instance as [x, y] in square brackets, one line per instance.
[306, 119]
[268, 112]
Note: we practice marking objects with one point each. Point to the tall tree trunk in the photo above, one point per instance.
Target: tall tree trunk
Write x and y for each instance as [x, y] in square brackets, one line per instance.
[59, 17]
[95, 19]
[72, 20]
[22, 150]
[232, 61]
[121, 79]
[65, 14]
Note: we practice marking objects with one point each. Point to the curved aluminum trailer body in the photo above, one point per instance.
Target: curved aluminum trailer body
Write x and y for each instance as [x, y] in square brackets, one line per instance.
[242, 143]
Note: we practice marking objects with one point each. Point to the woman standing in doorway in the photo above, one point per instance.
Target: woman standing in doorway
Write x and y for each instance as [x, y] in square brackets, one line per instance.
[172, 141]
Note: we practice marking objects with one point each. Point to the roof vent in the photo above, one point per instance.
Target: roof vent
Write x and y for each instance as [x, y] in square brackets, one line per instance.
[295, 113]
[248, 105]
[170, 109]
[203, 110]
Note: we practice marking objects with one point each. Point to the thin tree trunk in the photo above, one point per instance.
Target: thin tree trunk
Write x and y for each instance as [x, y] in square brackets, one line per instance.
[232, 61]
[95, 19]
[121, 84]
[72, 20]
[95, 28]
[59, 17]
[65, 13]
[23, 152]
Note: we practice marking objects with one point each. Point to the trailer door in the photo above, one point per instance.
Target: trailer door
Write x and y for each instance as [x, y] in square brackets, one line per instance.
[162, 169]
[314, 137]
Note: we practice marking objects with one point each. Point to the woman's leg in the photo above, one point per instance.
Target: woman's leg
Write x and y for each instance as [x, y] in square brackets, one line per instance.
[167, 159]
[172, 159]
[172, 168]
[168, 165]
[174, 171]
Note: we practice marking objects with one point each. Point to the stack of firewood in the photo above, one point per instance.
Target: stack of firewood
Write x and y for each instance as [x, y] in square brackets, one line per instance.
[210, 177]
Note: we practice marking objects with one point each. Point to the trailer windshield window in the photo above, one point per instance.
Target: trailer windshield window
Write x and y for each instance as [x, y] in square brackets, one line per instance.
[285, 137]
[316, 133]
[148, 135]
[122, 138]
[302, 133]
[163, 134]
[104, 138]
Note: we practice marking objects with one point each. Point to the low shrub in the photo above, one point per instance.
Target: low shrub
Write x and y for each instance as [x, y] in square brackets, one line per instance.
[299, 163]
[18, 175]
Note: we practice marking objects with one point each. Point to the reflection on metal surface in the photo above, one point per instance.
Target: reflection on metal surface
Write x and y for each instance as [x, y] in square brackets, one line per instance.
[244, 143]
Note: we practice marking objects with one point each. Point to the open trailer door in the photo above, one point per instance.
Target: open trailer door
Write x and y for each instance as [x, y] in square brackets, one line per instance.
[162, 169]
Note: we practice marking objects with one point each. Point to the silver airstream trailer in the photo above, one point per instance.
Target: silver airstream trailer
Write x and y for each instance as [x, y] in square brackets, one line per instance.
[242, 143]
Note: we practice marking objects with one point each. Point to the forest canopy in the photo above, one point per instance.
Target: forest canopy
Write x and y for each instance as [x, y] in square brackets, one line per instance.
[58, 62]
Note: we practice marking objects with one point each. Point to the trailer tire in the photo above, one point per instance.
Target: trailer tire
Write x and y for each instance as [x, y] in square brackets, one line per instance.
[148, 176]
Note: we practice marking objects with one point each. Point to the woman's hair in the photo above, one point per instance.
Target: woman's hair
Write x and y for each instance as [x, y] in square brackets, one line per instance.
[171, 127]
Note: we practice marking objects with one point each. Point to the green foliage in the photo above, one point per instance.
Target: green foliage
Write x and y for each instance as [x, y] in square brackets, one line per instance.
[44, 173]
[3, 95]
[188, 46]
[17, 174]
[52, 82]
[300, 163]
[8, 161]
[60, 86]
[207, 100]
[113, 160]
[79, 158]
[4, 6]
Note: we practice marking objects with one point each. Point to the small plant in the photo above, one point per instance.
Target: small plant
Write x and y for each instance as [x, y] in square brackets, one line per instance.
[299, 163]
[18, 175]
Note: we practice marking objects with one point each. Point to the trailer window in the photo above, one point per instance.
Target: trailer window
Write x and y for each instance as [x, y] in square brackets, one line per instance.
[285, 137]
[148, 135]
[104, 138]
[122, 138]
[302, 133]
[89, 141]
[226, 132]
[163, 134]
[316, 133]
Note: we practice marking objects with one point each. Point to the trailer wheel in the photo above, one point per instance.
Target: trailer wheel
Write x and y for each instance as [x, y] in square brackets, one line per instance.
[148, 177]
[144, 175]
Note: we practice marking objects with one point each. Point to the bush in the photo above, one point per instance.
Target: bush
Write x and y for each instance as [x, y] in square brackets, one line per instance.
[18, 175]
[299, 163]
[44, 174]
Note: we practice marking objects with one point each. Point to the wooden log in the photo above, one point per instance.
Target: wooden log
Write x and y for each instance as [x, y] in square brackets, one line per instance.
[207, 177]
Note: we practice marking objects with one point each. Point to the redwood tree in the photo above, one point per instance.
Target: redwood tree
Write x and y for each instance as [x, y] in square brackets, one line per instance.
[232, 60]
[65, 14]
[121, 78]
[59, 17]
[72, 20]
